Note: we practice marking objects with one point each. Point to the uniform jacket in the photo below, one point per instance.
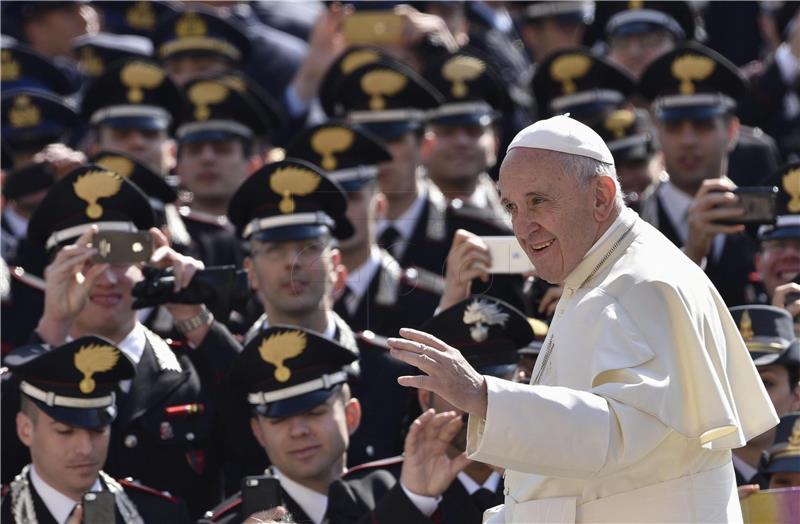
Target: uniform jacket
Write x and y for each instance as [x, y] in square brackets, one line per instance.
[642, 388]
[212, 240]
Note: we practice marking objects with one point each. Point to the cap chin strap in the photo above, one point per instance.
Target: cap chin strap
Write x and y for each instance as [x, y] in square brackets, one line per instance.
[261, 398]
[53, 400]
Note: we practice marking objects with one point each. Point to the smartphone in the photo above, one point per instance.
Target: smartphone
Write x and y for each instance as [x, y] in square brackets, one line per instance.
[758, 203]
[507, 255]
[259, 493]
[99, 507]
[115, 247]
[374, 27]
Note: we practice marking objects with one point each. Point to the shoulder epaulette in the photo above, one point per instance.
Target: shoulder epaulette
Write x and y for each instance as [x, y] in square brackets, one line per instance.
[132, 484]
[223, 509]
[375, 464]
[419, 278]
[26, 278]
[205, 218]
[373, 339]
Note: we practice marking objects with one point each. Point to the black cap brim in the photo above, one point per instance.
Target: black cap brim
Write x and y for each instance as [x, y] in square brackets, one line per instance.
[782, 233]
[784, 464]
[208, 136]
[704, 112]
[149, 123]
[391, 130]
[465, 119]
[290, 407]
[288, 233]
[94, 418]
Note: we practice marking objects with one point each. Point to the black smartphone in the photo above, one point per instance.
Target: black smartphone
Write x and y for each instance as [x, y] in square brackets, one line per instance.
[116, 247]
[758, 203]
[260, 493]
[99, 507]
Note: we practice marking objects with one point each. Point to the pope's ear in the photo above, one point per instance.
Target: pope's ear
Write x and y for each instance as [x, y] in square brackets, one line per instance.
[605, 194]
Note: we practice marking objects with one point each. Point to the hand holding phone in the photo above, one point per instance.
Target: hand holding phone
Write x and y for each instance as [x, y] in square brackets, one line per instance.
[99, 507]
[118, 247]
[508, 257]
[260, 493]
[758, 203]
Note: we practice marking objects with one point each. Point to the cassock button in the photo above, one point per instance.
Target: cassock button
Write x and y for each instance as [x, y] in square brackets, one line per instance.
[506, 492]
[131, 441]
[190, 436]
[370, 450]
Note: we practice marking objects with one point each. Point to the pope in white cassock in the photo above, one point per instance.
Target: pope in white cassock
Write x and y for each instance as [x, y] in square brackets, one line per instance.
[643, 385]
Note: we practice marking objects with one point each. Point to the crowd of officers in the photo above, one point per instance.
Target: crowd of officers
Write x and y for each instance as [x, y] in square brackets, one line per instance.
[344, 156]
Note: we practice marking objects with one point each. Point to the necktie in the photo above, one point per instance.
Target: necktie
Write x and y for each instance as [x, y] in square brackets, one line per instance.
[389, 239]
[484, 499]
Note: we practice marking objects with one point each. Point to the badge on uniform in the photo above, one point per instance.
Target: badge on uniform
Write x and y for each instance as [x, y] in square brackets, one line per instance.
[196, 459]
[165, 431]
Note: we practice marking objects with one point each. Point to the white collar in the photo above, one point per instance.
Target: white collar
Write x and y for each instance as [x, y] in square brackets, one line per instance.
[358, 281]
[676, 206]
[616, 224]
[313, 503]
[406, 222]
[133, 346]
[471, 486]
[59, 505]
[16, 222]
[745, 470]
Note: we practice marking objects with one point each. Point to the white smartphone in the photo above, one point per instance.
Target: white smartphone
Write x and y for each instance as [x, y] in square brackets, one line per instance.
[507, 255]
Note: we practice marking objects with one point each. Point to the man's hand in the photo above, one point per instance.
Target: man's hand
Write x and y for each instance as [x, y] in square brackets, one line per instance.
[67, 287]
[427, 469]
[76, 517]
[747, 490]
[419, 25]
[61, 158]
[449, 375]
[713, 201]
[549, 301]
[468, 259]
[268, 516]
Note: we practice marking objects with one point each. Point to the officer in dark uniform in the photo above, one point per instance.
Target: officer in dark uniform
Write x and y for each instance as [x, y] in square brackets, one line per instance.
[165, 434]
[769, 335]
[379, 296]
[98, 51]
[131, 17]
[391, 100]
[463, 135]
[24, 68]
[694, 92]
[67, 405]
[781, 462]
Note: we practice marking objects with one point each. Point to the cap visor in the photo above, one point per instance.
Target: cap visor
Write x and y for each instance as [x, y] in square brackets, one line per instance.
[782, 232]
[208, 136]
[94, 418]
[467, 119]
[689, 112]
[136, 122]
[784, 464]
[295, 405]
[287, 233]
[391, 130]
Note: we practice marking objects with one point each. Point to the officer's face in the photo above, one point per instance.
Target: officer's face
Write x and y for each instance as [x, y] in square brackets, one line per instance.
[695, 150]
[784, 479]
[53, 32]
[213, 170]
[397, 179]
[635, 176]
[550, 34]
[363, 206]
[310, 448]
[108, 311]
[460, 153]
[152, 147]
[555, 216]
[66, 457]
[293, 278]
[636, 51]
[778, 262]
[785, 398]
[184, 69]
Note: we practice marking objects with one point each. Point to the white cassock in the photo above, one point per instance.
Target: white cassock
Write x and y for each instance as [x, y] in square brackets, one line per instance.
[647, 388]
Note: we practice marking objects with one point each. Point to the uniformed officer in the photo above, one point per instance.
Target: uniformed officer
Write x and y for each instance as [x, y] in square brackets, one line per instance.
[694, 92]
[462, 138]
[131, 17]
[379, 296]
[66, 410]
[165, 434]
[781, 462]
[547, 27]
[768, 333]
[96, 52]
[24, 68]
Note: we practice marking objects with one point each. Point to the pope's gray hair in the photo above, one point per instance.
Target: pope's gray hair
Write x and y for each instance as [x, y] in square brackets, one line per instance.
[585, 169]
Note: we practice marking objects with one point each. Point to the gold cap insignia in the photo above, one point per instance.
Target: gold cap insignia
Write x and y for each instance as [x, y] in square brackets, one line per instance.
[794, 438]
[289, 181]
[94, 185]
[281, 347]
[483, 314]
[138, 75]
[234, 82]
[461, 69]
[619, 121]
[117, 163]
[23, 113]
[746, 326]
[357, 59]
[381, 83]
[791, 184]
[567, 68]
[94, 358]
[91, 64]
[9, 68]
[141, 16]
[203, 94]
[328, 141]
[691, 68]
[190, 25]
[635, 4]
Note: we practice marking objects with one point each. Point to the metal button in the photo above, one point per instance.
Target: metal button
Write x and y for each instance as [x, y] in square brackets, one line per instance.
[190, 436]
[131, 441]
[370, 451]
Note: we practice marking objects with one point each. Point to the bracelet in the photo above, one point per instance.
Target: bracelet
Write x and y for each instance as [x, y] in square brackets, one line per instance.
[204, 318]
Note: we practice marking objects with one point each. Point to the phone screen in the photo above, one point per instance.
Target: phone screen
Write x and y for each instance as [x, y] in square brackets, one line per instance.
[259, 493]
[99, 507]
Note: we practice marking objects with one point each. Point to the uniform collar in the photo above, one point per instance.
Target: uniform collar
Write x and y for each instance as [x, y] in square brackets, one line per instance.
[676, 206]
[59, 505]
[406, 222]
[16, 222]
[358, 281]
[471, 486]
[313, 503]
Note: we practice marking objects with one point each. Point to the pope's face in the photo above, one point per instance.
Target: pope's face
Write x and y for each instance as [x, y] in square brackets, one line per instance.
[551, 211]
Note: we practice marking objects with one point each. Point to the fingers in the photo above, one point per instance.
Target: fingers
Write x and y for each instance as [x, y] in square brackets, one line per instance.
[76, 517]
[94, 272]
[159, 238]
[424, 338]
[424, 363]
[459, 462]
[86, 238]
[418, 382]
[414, 431]
[547, 305]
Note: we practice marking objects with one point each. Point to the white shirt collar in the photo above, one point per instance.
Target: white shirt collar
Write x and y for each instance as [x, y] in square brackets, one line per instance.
[471, 486]
[745, 470]
[59, 505]
[406, 222]
[358, 281]
[16, 222]
[133, 346]
[313, 503]
[676, 206]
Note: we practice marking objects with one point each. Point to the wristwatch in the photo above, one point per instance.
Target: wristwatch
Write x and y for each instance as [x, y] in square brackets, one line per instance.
[204, 318]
